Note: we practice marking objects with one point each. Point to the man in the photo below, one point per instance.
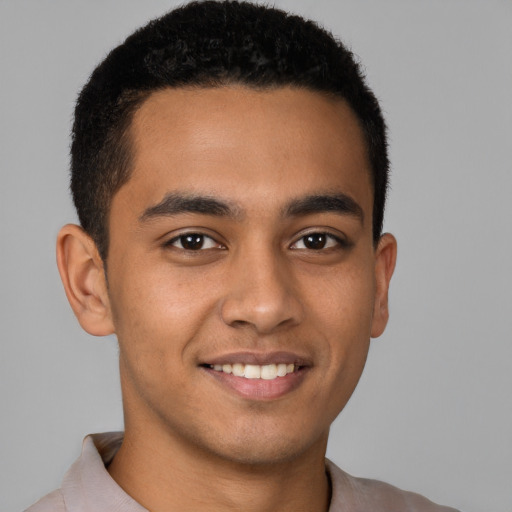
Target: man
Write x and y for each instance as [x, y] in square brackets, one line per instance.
[229, 169]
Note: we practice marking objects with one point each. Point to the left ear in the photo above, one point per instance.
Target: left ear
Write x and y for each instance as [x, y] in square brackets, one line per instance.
[385, 259]
[82, 272]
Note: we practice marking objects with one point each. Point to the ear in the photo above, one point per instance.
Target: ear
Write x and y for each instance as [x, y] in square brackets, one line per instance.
[82, 273]
[385, 259]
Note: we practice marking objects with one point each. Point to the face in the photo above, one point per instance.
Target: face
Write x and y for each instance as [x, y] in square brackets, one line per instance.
[243, 278]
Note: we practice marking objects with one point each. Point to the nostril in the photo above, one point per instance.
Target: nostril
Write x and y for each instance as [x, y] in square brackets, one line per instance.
[262, 296]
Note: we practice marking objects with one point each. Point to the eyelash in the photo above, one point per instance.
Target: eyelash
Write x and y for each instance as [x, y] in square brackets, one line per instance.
[333, 240]
[180, 238]
[330, 238]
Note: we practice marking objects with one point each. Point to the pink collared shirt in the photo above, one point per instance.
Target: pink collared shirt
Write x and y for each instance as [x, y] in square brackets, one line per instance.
[88, 487]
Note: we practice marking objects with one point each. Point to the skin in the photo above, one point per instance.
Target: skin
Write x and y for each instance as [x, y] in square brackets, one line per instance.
[255, 286]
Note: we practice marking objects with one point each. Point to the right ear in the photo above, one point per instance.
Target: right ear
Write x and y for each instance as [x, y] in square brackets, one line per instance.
[82, 272]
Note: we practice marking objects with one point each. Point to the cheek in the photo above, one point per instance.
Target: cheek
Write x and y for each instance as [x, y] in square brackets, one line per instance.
[157, 314]
[342, 302]
[158, 294]
[342, 310]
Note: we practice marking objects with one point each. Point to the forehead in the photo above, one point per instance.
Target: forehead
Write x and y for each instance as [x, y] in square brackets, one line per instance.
[246, 143]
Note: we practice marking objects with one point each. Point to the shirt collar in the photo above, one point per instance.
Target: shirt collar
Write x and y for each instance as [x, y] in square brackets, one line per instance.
[88, 485]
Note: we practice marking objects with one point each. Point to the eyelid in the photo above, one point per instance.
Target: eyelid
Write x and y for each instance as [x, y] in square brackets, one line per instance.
[340, 239]
[191, 231]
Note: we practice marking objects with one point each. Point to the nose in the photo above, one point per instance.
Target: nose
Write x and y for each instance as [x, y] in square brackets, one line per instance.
[262, 294]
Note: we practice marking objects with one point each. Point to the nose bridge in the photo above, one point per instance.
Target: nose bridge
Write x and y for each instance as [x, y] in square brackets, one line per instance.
[261, 291]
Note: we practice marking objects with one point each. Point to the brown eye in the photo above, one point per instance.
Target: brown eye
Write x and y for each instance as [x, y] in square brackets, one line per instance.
[194, 242]
[317, 242]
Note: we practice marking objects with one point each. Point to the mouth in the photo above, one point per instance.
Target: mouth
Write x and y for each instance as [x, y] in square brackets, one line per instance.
[254, 371]
[256, 376]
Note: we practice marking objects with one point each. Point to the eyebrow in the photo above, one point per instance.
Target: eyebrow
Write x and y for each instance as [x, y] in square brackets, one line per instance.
[179, 203]
[337, 203]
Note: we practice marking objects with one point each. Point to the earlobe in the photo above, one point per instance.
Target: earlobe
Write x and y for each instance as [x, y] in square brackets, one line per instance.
[82, 273]
[385, 259]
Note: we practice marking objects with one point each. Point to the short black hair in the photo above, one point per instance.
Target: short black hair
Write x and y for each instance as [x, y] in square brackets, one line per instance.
[209, 44]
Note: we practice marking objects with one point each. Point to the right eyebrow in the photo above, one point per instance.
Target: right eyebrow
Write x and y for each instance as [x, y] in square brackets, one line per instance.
[339, 203]
[178, 203]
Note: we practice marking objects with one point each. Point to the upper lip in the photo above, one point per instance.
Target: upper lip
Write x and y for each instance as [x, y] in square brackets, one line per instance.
[259, 358]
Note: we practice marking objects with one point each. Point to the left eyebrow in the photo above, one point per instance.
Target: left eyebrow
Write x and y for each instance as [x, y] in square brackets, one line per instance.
[337, 203]
[179, 203]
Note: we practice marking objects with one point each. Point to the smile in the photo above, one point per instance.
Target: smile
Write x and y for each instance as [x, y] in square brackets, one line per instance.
[258, 376]
[254, 371]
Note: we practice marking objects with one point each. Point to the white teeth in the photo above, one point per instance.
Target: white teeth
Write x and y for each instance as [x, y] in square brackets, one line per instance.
[254, 371]
[281, 370]
[238, 370]
[269, 372]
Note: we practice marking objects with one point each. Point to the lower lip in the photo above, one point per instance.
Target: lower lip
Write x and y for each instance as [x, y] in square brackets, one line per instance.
[259, 389]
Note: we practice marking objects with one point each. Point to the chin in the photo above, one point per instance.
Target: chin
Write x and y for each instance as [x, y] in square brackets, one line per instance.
[259, 447]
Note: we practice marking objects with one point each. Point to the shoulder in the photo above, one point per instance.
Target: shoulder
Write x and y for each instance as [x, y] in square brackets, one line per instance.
[362, 494]
[53, 502]
[382, 492]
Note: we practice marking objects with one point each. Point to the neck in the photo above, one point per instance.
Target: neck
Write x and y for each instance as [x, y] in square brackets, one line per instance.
[163, 474]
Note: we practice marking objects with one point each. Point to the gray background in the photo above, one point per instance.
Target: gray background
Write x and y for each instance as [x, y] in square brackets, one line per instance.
[433, 410]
